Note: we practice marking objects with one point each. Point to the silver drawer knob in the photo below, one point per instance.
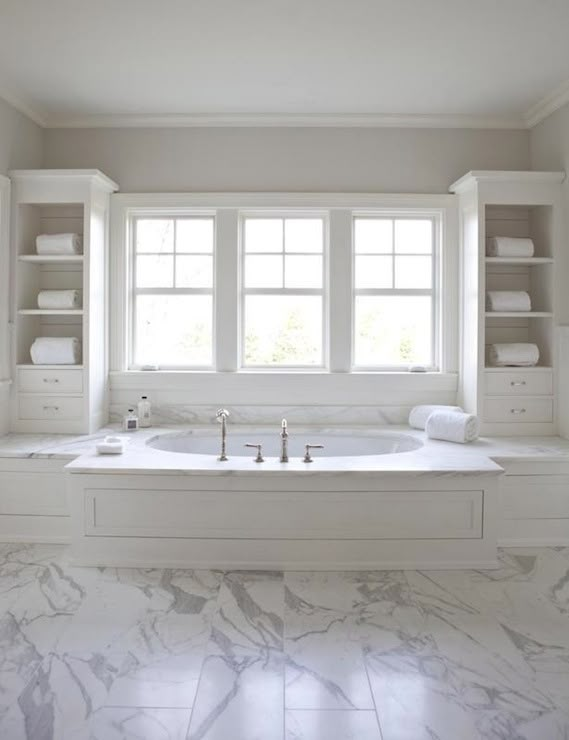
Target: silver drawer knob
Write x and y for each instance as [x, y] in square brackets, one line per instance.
[517, 382]
[51, 408]
[259, 448]
[517, 411]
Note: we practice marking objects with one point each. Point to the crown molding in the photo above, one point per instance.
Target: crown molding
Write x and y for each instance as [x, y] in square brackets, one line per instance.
[286, 120]
[547, 105]
[22, 106]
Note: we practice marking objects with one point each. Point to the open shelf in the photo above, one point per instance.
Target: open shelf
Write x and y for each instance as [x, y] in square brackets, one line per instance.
[50, 312]
[519, 261]
[516, 368]
[518, 315]
[51, 258]
[30, 366]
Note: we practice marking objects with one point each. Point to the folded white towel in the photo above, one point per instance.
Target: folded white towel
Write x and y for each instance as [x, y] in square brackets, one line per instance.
[56, 351]
[514, 354]
[59, 299]
[419, 414]
[452, 426]
[59, 244]
[509, 246]
[508, 300]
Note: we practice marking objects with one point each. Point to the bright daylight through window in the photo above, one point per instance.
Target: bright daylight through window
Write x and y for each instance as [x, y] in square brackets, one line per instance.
[173, 292]
[394, 291]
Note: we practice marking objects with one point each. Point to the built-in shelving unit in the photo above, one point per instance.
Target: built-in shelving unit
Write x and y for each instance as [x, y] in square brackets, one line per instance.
[509, 400]
[60, 398]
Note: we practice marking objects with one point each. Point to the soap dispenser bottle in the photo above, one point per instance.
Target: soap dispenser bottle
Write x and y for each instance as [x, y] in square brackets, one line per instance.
[130, 421]
[144, 412]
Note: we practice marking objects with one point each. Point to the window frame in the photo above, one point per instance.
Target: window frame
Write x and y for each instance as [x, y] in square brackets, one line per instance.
[435, 291]
[323, 292]
[135, 291]
[338, 383]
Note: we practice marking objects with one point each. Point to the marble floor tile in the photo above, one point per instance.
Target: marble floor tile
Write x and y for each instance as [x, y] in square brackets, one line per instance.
[331, 725]
[136, 723]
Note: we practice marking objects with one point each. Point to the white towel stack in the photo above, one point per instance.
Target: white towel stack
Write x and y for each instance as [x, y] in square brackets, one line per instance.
[59, 244]
[514, 354]
[56, 351]
[508, 246]
[508, 300]
[59, 299]
[419, 414]
[452, 426]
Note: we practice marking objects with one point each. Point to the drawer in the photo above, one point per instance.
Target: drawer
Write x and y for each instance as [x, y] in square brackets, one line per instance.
[519, 383]
[50, 408]
[518, 409]
[31, 380]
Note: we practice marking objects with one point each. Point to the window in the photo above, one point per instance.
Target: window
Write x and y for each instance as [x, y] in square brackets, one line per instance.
[394, 289]
[172, 293]
[283, 292]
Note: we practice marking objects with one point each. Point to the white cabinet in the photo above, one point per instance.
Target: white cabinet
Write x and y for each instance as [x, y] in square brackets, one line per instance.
[512, 400]
[53, 398]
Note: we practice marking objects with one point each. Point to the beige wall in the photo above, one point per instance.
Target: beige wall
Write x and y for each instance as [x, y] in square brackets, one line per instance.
[21, 140]
[287, 159]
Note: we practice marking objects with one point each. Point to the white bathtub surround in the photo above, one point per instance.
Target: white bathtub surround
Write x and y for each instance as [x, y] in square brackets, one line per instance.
[453, 426]
[419, 415]
[292, 656]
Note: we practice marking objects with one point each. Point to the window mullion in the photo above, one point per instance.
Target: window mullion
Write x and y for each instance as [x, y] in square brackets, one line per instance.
[340, 268]
[226, 291]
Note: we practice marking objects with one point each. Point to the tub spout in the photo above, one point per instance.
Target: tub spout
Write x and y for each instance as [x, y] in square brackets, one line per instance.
[284, 441]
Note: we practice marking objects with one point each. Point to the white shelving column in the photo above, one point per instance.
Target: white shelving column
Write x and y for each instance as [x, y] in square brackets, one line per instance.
[60, 398]
[510, 400]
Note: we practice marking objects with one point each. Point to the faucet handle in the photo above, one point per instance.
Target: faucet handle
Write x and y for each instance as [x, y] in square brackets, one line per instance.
[307, 456]
[222, 414]
[259, 448]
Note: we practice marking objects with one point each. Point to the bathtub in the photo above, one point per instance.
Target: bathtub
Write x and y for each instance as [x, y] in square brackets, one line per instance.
[370, 500]
[335, 444]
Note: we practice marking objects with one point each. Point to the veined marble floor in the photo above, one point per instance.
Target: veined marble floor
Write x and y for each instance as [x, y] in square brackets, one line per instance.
[103, 654]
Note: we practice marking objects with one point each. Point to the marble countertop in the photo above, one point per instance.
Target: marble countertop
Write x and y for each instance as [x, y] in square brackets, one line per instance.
[434, 457]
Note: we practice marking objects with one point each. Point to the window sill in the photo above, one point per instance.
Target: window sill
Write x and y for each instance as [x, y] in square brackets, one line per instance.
[288, 387]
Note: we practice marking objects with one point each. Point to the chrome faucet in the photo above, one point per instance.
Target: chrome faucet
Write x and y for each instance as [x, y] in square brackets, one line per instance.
[284, 441]
[221, 416]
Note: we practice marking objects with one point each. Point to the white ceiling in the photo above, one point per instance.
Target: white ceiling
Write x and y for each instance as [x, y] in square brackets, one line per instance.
[463, 61]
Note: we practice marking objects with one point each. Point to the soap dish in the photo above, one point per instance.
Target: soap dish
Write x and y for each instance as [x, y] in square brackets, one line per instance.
[111, 446]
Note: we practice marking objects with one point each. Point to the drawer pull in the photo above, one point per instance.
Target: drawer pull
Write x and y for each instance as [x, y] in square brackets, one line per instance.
[51, 380]
[517, 382]
[517, 411]
[51, 408]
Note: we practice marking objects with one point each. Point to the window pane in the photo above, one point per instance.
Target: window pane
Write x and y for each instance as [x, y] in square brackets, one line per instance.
[283, 330]
[154, 235]
[413, 236]
[264, 272]
[303, 235]
[263, 235]
[154, 271]
[374, 272]
[194, 235]
[373, 235]
[173, 330]
[303, 272]
[413, 272]
[393, 330]
[194, 272]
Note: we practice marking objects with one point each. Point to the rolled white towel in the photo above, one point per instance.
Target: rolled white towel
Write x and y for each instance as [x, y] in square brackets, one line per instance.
[452, 426]
[508, 300]
[509, 246]
[419, 414]
[59, 299]
[513, 354]
[59, 244]
[56, 351]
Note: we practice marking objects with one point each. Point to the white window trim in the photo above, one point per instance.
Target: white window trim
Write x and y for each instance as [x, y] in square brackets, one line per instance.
[339, 378]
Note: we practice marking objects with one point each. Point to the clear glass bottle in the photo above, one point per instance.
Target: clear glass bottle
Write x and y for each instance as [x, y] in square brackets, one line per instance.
[130, 421]
[144, 412]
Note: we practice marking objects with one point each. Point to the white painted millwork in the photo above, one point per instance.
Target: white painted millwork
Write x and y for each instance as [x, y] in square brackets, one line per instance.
[5, 368]
[515, 204]
[60, 398]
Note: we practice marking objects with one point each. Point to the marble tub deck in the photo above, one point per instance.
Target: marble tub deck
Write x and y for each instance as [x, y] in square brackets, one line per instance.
[105, 654]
